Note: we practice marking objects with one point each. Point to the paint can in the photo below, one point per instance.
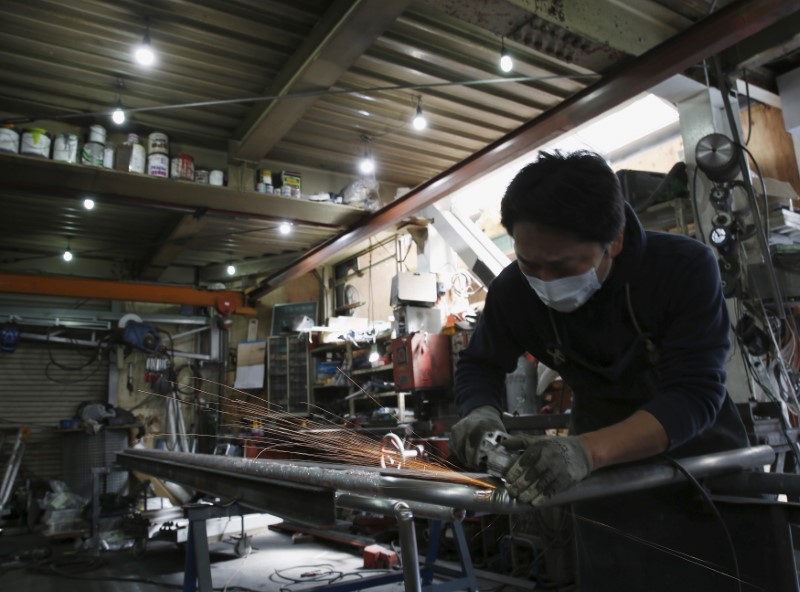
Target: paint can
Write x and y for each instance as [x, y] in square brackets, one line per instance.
[65, 148]
[158, 165]
[35, 142]
[216, 177]
[92, 154]
[157, 143]
[182, 167]
[201, 176]
[9, 139]
[108, 156]
[97, 133]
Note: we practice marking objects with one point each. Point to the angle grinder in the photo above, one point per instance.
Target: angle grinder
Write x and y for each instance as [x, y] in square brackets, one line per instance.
[496, 457]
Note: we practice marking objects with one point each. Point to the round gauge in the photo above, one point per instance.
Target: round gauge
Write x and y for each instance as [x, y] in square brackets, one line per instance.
[719, 236]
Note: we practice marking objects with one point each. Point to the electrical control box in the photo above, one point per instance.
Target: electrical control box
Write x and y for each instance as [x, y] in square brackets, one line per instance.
[418, 289]
[422, 360]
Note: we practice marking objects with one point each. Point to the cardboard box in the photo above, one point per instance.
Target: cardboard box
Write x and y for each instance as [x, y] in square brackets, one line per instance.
[290, 184]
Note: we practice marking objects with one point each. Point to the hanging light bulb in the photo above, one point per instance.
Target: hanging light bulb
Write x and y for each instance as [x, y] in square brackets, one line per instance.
[88, 203]
[144, 53]
[367, 164]
[118, 116]
[231, 269]
[285, 227]
[67, 253]
[419, 123]
[506, 63]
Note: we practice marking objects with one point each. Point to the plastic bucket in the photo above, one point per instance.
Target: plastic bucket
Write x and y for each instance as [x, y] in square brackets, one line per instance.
[97, 133]
[216, 177]
[9, 140]
[35, 142]
[65, 148]
[92, 154]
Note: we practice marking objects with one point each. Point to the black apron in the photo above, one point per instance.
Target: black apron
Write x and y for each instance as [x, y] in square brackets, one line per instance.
[643, 541]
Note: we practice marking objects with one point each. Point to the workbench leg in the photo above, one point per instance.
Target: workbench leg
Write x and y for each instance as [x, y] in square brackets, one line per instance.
[434, 536]
[408, 547]
[470, 578]
[463, 579]
[197, 574]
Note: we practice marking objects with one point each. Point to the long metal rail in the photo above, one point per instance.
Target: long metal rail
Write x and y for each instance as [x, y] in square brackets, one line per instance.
[294, 490]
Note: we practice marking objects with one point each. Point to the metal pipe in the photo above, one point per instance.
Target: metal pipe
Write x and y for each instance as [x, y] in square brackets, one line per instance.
[471, 492]
[386, 507]
[408, 547]
[753, 483]
[636, 477]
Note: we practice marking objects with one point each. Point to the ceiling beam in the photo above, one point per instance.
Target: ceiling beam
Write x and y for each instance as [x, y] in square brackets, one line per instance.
[248, 267]
[708, 37]
[172, 245]
[222, 300]
[346, 31]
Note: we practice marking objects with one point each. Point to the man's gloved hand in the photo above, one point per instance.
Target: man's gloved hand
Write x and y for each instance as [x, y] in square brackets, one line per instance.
[466, 435]
[548, 465]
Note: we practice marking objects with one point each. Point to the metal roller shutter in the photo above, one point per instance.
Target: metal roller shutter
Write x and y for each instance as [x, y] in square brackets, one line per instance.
[40, 384]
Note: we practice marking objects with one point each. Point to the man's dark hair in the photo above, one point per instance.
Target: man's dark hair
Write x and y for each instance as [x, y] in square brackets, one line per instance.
[576, 193]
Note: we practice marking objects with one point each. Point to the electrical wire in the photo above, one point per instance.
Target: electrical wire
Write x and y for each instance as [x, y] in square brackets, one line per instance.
[749, 110]
[324, 573]
[763, 189]
[309, 94]
[707, 498]
[697, 224]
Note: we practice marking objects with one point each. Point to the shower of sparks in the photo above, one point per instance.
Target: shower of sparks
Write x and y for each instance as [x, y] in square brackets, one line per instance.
[316, 438]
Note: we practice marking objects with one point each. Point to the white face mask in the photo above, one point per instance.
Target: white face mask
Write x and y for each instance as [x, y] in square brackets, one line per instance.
[569, 293]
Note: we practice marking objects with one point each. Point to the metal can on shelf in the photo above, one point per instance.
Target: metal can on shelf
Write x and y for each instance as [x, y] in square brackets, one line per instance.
[158, 165]
[157, 143]
[201, 176]
[182, 167]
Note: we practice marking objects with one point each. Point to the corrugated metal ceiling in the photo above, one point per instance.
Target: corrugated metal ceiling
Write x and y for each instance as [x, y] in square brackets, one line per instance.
[322, 63]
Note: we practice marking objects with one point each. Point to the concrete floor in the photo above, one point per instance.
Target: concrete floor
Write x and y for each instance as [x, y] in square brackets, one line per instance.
[304, 566]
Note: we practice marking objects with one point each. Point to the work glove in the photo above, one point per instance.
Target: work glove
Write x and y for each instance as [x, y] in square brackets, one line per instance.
[467, 434]
[548, 465]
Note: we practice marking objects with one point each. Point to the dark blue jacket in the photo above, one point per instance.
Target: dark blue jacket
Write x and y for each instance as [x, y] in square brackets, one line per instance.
[672, 365]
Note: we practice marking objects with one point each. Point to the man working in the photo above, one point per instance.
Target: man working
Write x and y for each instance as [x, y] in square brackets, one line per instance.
[636, 324]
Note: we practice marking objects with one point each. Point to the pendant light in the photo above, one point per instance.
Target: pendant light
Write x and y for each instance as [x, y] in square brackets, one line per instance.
[419, 122]
[118, 116]
[144, 54]
[506, 63]
[367, 163]
[67, 253]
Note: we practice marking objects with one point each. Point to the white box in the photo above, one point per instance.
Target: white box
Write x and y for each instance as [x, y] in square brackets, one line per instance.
[414, 288]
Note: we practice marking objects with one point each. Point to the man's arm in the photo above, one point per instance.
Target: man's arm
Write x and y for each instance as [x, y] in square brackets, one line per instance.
[639, 436]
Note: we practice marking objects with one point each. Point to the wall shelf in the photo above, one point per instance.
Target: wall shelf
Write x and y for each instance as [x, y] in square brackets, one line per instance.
[53, 178]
